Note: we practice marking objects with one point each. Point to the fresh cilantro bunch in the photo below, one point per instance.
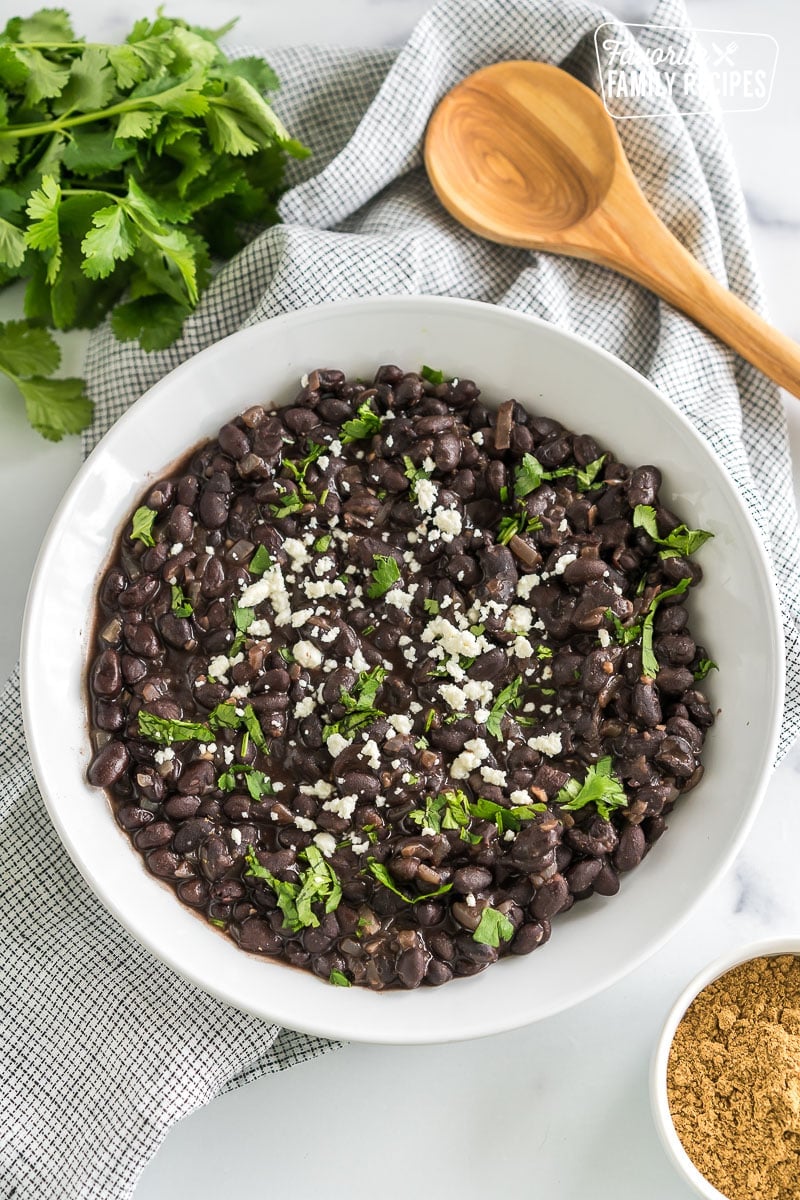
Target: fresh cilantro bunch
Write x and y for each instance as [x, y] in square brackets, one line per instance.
[123, 170]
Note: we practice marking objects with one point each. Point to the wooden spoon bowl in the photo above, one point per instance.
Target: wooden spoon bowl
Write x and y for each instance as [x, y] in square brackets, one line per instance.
[524, 154]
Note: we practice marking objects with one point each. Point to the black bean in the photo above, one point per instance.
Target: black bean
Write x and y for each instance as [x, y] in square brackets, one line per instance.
[581, 876]
[109, 764]
[550, 898]
[628, 853]
[107, 674]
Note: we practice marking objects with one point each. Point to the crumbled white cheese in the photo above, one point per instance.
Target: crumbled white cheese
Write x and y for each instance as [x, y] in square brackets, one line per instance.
[236, 837]
[305, 824]
[271, 586]
[401, 723]
[427, 494]
[307, 654]
[453, 695]
[563, 563]
[322, 789]
[519, 797]
[526, 584]
[372, 754]
[316, 588]
[336, 744]
[164, 756]
[519, 619]
[301, 617]
[259, 629]
[297, 553]
[471, 757]
[324, 565]
[470, 900]
[480, 690]
[546, 743]
[478, 438]
[228, 753]
[304, 708]
[218, 667]
[493, 775]
[326, 843]
[240, 691]
[604, 637]
[176, 549]
[454, 640]
[448, 520]
[522, 647]
[342, 806]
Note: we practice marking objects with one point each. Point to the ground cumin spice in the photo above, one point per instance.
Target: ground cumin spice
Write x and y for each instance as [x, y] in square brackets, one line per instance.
[733, 1081]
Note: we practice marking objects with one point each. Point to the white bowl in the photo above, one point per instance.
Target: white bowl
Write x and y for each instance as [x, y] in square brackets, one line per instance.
[735, 615]
[658, 1067]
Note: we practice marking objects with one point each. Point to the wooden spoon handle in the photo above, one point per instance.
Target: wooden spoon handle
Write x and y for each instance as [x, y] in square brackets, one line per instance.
[639, 245]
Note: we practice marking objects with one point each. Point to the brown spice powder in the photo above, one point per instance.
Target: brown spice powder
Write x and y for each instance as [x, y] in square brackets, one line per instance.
[733, 1081]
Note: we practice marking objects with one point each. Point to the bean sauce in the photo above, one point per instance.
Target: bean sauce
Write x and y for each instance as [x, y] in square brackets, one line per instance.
[385, 680]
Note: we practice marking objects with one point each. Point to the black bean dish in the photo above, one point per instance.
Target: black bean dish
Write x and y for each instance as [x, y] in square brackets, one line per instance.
[386, 679]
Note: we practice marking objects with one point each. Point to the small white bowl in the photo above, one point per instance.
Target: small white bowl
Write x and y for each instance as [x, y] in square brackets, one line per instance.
[735, 614]
[658, 1069]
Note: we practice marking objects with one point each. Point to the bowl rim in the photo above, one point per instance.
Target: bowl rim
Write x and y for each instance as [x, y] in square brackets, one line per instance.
[659, 1101]
[320, 1024]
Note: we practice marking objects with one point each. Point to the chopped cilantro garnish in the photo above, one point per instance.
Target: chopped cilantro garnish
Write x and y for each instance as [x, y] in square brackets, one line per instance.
[385, 573]
[542, 652]
[291, 502]
[530, 475]
[382, 875]
[286, 654]
[431, 606]
[165, 731]
[703, 667]
[256, 782]
[253, 727]
[360, 704]
[504, 818]
[322, 543]
[432, 375]
[142, 525]
[224, 716]
[515, 525]
[679, 541]
[492, 927]
[179, 604]
[649, 660]
[370, 629]
[216, 921]
[623, 634]
[508, 698]
[338, 979]
[260, 562]
[363, 425]
[243, 617]
[318, 883]
[600, 787]
[413, 475]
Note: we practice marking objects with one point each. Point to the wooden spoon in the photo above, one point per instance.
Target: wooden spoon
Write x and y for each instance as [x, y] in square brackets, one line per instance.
[524, 154]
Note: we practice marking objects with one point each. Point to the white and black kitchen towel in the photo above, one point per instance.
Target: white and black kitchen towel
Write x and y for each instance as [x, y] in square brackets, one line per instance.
[101, 1047]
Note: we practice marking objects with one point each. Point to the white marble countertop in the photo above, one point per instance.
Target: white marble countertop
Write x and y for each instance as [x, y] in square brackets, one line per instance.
[566, 1099]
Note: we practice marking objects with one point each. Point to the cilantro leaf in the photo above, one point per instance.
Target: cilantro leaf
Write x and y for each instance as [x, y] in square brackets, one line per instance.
[516, 525]
[703, 667]
[431, 606]
[142, 525]
[286, 893]
[649, 660]
[528, 476]
[243, 617]
[680, 541]
[432, 375]
[257, 783]
[319, 883]
[260, 562]
[492, 928]
[113, 239]
[508, 698]
[623, 634]
[600, 787]
[179, 604]
[166, 731]
[363, 425]
[127, 164]
[27, 350]
[381, 873]
[253, 727]
[385, 573]
[338, 979]
[504, 818]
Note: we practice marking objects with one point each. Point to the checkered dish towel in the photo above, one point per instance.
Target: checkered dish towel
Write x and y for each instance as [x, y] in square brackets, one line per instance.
[101, 1047]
